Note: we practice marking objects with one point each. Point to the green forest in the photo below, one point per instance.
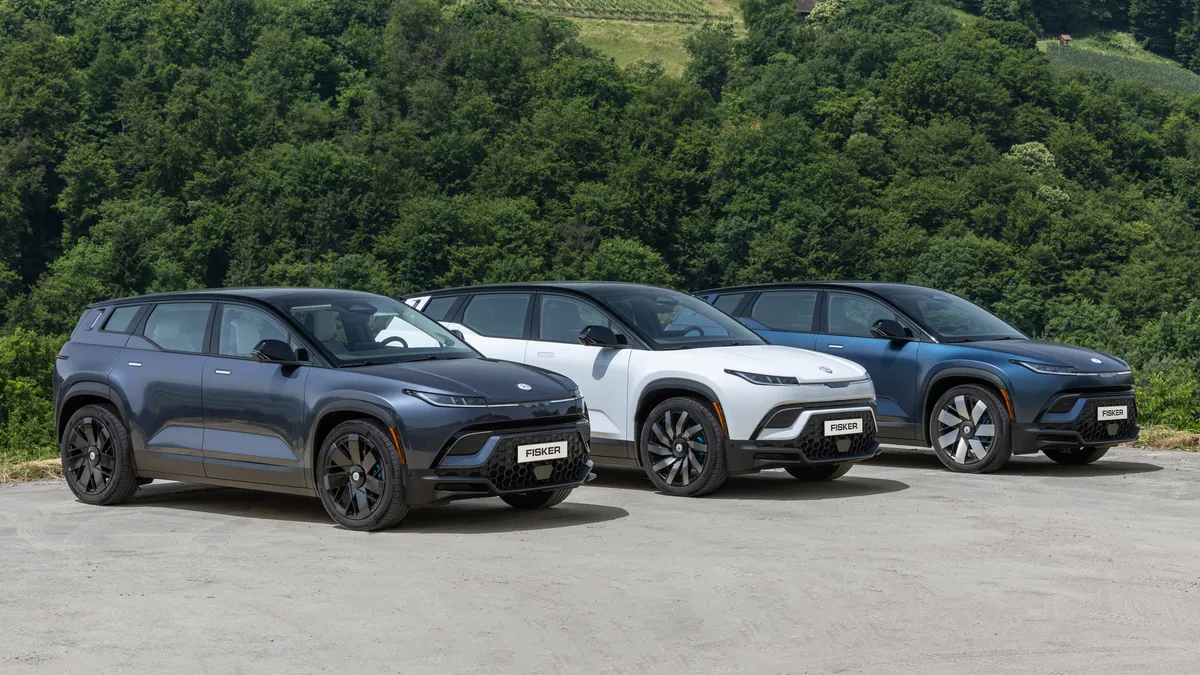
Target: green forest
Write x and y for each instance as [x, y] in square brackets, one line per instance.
[396, 146]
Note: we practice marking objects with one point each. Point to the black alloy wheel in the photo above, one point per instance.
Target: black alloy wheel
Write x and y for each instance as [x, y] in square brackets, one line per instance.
[96, 458]
[361, 477]
[683, 448]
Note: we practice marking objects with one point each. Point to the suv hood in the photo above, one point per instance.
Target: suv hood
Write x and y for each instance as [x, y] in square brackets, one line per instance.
[494, 380]
[1055, 353]
[806, 366]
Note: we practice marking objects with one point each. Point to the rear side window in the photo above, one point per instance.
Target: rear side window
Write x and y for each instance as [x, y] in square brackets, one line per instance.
[179, 326]
[121, 319]
[501, 315]
[728, 303]
[786, 310]
[438, 308]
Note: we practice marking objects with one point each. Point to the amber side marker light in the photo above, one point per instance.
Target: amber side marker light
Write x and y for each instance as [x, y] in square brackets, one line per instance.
[62, 357]
[1008, 404]
[720, 418]
[399, 448]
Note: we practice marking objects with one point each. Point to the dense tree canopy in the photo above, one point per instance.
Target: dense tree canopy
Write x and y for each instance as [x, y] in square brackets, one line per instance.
[388, 146]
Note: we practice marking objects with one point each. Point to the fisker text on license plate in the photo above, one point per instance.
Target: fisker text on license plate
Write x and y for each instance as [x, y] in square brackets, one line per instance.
[1116, 412]
[843, 427]
[537, 452]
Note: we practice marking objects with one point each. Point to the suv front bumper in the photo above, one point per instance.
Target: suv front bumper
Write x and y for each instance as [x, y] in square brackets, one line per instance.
[1078, 427]
[484, 464]
[774, 448]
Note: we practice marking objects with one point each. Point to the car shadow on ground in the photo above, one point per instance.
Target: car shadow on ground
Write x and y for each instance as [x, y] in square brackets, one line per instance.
[1021, 465]
[476, 516]
[771, 485]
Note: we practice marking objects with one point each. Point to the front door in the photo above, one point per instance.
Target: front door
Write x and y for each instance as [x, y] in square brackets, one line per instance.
[159, 373]
[602, 373]
[253, 412]
[891, 363]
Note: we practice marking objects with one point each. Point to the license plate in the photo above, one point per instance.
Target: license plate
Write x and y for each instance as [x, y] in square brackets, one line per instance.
[1116, 412]
[539, 452]
[843, 427]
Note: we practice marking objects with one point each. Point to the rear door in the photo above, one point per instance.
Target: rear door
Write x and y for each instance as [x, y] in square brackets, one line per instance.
[253, 412]
[497, 324]
[847, 322]
[601, 373]
[784, 317]
[159, 372]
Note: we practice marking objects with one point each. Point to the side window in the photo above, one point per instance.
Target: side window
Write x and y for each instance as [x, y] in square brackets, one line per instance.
[121, 319]
[179, 326]
[853, 315]
[562, 318]
[728, 303]
[501, 315]
[242, 328]
[786, 310]
[438, 308]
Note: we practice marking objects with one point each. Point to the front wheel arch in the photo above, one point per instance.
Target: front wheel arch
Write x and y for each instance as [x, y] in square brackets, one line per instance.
[661, 390]
[947, 379]
[337, 412]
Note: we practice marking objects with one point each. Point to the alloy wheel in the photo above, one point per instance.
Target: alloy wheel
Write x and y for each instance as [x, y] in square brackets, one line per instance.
[91, 455]
[354, 478]
[678, 448]
[966, 429]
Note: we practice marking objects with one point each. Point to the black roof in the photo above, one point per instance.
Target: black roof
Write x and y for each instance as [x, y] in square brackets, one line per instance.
[876, 287]
[260, 294]
[585, 287]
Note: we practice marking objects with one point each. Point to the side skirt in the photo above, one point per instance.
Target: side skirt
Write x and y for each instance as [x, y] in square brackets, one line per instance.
[220, 482]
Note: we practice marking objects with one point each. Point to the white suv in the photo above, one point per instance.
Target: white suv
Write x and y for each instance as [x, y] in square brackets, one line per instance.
[673, 384]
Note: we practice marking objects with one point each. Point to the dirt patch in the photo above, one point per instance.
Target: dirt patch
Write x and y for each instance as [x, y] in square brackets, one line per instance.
[23, 472]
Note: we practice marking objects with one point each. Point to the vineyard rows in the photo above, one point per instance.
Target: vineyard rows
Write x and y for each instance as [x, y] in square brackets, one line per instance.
[682, 11]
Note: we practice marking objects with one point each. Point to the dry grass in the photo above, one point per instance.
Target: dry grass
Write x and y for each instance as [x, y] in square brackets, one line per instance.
[22, 472]
[1164, 438]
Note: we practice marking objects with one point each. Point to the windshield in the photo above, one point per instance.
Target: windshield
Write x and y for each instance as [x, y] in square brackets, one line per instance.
[672, 320]
[370, 329]
[951, 318]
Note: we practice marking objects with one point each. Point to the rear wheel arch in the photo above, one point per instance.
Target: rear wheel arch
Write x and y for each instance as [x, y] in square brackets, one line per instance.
[81, 394]
[949, 378]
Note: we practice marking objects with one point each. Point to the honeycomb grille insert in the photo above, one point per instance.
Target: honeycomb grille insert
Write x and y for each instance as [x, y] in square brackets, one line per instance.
[1093, 430]
[820, 448]
[506, 474]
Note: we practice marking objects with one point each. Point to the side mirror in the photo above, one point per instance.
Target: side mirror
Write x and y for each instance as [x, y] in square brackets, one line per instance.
[458, 334]
[598, 336]
[275, 351]
[890, 329]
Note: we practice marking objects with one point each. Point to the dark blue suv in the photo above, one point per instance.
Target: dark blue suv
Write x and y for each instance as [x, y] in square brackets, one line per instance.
[355, 398]
[948, 373]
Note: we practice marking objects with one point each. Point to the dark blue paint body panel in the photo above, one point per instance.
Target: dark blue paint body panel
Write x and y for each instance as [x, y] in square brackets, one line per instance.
[236, 421]
[908, 373]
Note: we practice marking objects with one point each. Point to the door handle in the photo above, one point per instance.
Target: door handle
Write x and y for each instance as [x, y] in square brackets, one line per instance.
[136, 364]
[835, 346]
[221, 371]
[546, 355]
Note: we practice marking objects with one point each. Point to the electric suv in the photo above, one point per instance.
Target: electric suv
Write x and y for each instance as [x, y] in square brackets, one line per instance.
[355, 398]
[949, 374]
[672, 384]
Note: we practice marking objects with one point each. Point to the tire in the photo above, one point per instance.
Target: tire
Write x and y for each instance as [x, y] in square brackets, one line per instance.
[360, 477]
[537, 500]
[821, 472]
[97, 459]
[1076, 456]
[694, 425]
[956, 415]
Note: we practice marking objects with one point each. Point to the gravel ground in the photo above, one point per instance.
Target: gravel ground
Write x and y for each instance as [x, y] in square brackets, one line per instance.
[900, 567]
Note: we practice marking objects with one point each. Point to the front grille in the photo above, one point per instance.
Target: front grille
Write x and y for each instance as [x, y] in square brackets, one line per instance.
[817, 447]
[1094, 430]
[506, 474]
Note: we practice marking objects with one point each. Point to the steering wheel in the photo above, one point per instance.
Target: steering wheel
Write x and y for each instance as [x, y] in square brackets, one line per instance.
[688, 329]
[395, 338]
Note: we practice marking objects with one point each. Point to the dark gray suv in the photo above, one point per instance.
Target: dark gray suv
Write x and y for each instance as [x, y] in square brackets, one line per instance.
[356, 398]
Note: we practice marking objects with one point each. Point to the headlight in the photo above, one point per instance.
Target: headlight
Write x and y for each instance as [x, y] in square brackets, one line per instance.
[447, 400]
[755, 378]
[1047, 369]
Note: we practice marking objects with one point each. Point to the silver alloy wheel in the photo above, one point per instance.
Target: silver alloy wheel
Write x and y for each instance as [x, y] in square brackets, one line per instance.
[678, 448]
[966, 429]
